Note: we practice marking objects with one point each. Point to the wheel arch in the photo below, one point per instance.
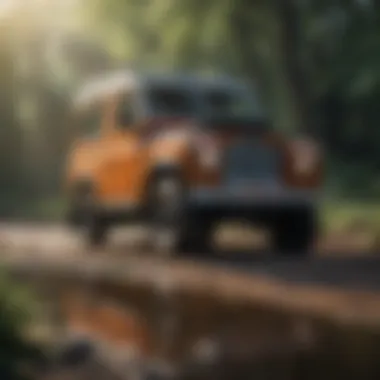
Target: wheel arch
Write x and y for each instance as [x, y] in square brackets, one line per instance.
[160, 170]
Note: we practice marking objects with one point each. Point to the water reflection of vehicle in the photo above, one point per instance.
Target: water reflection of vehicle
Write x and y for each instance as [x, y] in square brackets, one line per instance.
[183, 152]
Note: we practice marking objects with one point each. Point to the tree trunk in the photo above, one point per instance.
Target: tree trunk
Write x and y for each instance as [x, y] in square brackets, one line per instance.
[251, 63]
[290, 37]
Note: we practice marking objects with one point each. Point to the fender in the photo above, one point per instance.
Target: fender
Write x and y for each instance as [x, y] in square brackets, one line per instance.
[170, 155]
[161, 169]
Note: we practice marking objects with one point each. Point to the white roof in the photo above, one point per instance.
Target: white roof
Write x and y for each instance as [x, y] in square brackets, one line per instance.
[110, 84]
[105, 86]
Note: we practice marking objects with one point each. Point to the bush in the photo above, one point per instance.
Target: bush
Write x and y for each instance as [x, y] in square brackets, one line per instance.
[16, 312]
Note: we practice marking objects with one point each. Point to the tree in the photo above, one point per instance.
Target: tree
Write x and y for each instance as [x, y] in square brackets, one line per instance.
[11, 153]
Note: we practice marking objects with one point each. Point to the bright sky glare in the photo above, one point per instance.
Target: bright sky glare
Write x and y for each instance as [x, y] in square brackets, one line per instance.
[6, 5]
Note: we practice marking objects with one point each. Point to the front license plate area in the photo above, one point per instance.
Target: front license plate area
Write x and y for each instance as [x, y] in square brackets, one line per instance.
[247, 190]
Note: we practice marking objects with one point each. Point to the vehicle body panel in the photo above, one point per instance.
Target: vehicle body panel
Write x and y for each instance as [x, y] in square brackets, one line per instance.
[121, 159]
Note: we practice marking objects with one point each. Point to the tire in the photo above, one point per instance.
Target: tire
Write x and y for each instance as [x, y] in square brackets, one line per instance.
[96, 231]
[173, 231]
[295, 232]
[82, 216]
[75, 216]
[196, 239]
[80, 203]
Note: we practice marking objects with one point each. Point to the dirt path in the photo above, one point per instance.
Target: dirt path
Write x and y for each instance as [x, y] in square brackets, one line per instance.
[354, 266]
[56, 239]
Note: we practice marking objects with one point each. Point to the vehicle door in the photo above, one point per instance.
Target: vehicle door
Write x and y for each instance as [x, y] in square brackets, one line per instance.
[86, 143]
[124, 162]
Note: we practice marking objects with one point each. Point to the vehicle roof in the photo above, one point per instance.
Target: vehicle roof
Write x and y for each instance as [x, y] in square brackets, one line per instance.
[115, 82]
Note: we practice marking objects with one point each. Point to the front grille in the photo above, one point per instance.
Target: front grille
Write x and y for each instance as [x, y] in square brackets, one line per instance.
[251, 161]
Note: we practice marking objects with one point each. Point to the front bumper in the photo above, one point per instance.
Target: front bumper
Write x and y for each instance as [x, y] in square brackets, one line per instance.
[249, 199]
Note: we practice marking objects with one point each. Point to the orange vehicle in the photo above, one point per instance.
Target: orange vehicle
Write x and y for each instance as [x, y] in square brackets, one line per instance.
[182, 152]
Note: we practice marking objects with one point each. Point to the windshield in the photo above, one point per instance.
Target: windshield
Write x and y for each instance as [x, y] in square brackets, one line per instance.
[231, 103]
[208, 101]
[172, 102]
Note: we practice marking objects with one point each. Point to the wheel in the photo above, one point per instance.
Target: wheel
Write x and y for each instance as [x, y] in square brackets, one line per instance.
[74, 216]
[173, 230]
[196, 239]
[80, 203]
[82, 216]
[295, 232]
[96, 231]
[93, 229]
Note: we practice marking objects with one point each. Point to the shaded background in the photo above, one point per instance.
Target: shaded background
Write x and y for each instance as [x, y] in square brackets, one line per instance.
[316, 63]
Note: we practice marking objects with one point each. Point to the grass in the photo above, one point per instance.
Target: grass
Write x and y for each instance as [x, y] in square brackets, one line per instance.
[343, 215]
[48, 209]
[339, 217]
[52, 208]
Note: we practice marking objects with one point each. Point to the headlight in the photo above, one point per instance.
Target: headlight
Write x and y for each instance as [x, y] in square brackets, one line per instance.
[210, 158]
[209, 153]
[305, 156]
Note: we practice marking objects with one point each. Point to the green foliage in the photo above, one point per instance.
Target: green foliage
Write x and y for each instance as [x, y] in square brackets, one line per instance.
[339, 215]
[10, 134]
[16, 312]
[320, 73]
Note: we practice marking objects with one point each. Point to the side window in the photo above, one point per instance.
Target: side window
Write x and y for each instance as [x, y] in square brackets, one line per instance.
[126, 114]
[172, 101]
[90, 121]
